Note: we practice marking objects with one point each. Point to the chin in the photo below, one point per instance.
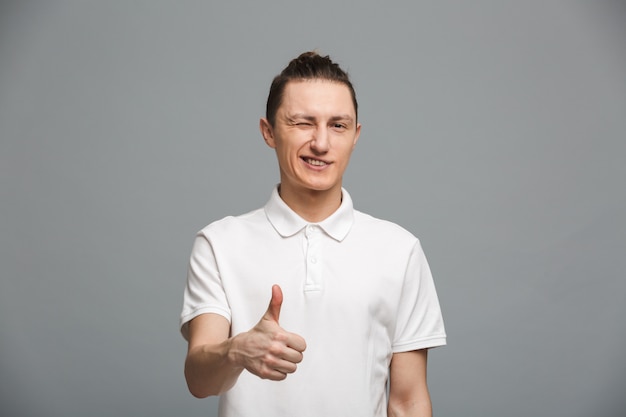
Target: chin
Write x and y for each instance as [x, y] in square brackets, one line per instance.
[317, 184]
[321, 187]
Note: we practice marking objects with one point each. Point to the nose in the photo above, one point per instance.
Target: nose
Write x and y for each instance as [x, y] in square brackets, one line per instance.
[320, 142]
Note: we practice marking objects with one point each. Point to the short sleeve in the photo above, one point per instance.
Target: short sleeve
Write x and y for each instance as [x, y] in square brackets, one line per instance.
[419, 322]
[204, 292]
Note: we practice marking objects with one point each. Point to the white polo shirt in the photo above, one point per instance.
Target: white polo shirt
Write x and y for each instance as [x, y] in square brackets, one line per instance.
[356, 288]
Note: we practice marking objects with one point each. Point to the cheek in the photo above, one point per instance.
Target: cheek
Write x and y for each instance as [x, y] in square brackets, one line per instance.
[287, 156]
[346, 153]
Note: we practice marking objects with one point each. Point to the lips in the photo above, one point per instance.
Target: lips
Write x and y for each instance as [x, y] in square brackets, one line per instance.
[315, 162]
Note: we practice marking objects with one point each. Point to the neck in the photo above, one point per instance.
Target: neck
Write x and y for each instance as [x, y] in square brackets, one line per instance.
[313, 206]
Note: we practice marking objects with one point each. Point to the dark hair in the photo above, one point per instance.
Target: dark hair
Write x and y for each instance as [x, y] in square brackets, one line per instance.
[308, 66]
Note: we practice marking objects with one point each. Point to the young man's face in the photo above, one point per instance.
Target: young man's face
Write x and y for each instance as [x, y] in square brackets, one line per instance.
[314, 134]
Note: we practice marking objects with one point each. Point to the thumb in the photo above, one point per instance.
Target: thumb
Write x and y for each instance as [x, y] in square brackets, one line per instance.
[273, 311]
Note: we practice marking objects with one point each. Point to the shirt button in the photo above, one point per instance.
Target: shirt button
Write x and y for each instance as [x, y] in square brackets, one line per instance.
[313, 260]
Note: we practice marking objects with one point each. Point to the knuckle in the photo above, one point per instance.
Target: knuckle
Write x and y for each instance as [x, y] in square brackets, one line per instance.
[269, 360]
[275, 350]
[265, 373]
[279, 337]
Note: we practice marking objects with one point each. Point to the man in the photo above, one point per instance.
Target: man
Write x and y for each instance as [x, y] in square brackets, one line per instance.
[352, 304]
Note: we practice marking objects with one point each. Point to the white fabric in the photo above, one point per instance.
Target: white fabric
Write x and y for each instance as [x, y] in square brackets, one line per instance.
[356, 288]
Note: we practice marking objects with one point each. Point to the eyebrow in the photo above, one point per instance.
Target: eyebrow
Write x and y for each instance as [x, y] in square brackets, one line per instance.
[292, 117]
[344, 117]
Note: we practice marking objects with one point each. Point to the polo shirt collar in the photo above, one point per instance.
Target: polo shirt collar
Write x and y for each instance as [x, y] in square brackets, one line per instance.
[287, 222]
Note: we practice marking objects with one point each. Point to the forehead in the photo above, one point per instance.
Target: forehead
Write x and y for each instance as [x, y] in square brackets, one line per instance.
[317, 96]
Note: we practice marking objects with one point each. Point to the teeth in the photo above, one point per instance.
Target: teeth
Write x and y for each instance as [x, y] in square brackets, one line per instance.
[315, 162]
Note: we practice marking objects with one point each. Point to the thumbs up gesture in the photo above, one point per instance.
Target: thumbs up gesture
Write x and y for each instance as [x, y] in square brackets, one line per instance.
[267, 350]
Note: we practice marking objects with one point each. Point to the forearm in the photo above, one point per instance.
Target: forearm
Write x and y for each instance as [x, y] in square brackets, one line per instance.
[421, 408]
[408, 390]
[211, 370]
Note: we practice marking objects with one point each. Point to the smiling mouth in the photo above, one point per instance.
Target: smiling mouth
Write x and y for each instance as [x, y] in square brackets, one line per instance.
[315, 162]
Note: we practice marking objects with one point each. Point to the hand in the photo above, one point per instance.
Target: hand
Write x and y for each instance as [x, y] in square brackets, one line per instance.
[267, 350]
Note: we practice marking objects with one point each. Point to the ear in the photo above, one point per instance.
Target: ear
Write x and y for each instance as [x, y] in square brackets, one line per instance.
[268, 132]
[356, 135]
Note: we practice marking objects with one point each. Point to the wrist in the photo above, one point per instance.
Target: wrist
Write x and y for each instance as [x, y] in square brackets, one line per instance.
[233, 354]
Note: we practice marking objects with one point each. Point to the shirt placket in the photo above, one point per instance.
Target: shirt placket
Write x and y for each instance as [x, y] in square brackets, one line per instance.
[313, 237]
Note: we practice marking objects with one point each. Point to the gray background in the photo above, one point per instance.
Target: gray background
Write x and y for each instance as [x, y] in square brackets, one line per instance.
[493, 130]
